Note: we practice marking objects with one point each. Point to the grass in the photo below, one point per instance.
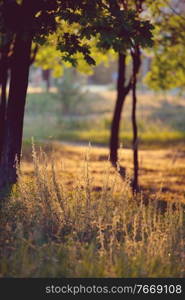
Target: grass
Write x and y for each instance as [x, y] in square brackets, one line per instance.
[71, 215]
[160, 120]
[148, 140]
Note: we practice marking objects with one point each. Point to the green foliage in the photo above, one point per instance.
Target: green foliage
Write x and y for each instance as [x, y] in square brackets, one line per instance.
[167, 69]
[75, 29]
[168, 65]
[115, 28]
[49, 57]
[69, 92]
[39, 19]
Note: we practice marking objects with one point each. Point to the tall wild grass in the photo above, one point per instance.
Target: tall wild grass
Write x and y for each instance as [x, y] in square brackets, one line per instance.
[50, 229]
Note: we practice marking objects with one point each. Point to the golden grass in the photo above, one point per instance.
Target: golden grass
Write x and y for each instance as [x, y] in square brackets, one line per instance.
[71, 215]
[160, 170]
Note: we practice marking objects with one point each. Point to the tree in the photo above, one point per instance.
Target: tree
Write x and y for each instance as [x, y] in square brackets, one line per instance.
[18, 87]
[69, 92]
[33, 21]
[6, 58]
[46, 76]
[118, 25]
[136, 58]
[143, 35]
[4, 66]
[24, 22]
[168, 64]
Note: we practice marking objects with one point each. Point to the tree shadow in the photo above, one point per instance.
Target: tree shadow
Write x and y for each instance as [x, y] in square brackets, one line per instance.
[5, 194]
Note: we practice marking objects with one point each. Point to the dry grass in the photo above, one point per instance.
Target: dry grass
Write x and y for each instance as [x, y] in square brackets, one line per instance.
[72, 216]
[160, 170]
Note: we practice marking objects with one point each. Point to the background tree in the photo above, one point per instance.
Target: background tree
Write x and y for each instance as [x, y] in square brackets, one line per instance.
[119, 26]
[142, 34]
[136, 59]
[131, 32]
[168, 64]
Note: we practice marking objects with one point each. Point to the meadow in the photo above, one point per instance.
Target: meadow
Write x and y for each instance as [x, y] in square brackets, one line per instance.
[72, 215]
[160, 119]
[75, 217]
[69, 205]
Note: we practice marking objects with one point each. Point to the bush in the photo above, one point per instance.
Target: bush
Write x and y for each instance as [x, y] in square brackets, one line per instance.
[70, 93]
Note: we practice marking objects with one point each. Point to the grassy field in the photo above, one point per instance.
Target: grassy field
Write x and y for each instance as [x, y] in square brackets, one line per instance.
[161, 170]
[160, 119]
[71, 215]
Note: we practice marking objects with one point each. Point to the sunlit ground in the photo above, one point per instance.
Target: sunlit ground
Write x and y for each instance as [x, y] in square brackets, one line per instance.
[161, 171]
[161, 137]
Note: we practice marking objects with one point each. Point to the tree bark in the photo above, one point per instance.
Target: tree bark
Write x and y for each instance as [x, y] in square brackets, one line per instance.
[46, 74]
[15, 110]
[122, 92]
[3, 82]
[136, 56]
[135, 137]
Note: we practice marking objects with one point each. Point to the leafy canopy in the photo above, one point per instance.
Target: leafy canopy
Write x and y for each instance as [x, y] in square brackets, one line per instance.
[168, 65]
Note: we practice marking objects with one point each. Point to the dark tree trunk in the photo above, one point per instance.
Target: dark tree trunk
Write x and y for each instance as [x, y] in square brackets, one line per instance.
[136, 66]
[46, 74]
[135, 137]
[15, 110]
[4, 78]
[122, 92]
[114, 141]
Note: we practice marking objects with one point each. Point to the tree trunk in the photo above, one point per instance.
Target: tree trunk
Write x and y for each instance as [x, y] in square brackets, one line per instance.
[4, 78]
[114, 141]
[135, 137]
[15, 111]
[136, 66]
[122, 92]
[46, 74]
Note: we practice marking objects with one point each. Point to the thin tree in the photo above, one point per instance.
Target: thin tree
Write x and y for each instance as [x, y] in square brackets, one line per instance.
[136, 58]
[123, 89]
